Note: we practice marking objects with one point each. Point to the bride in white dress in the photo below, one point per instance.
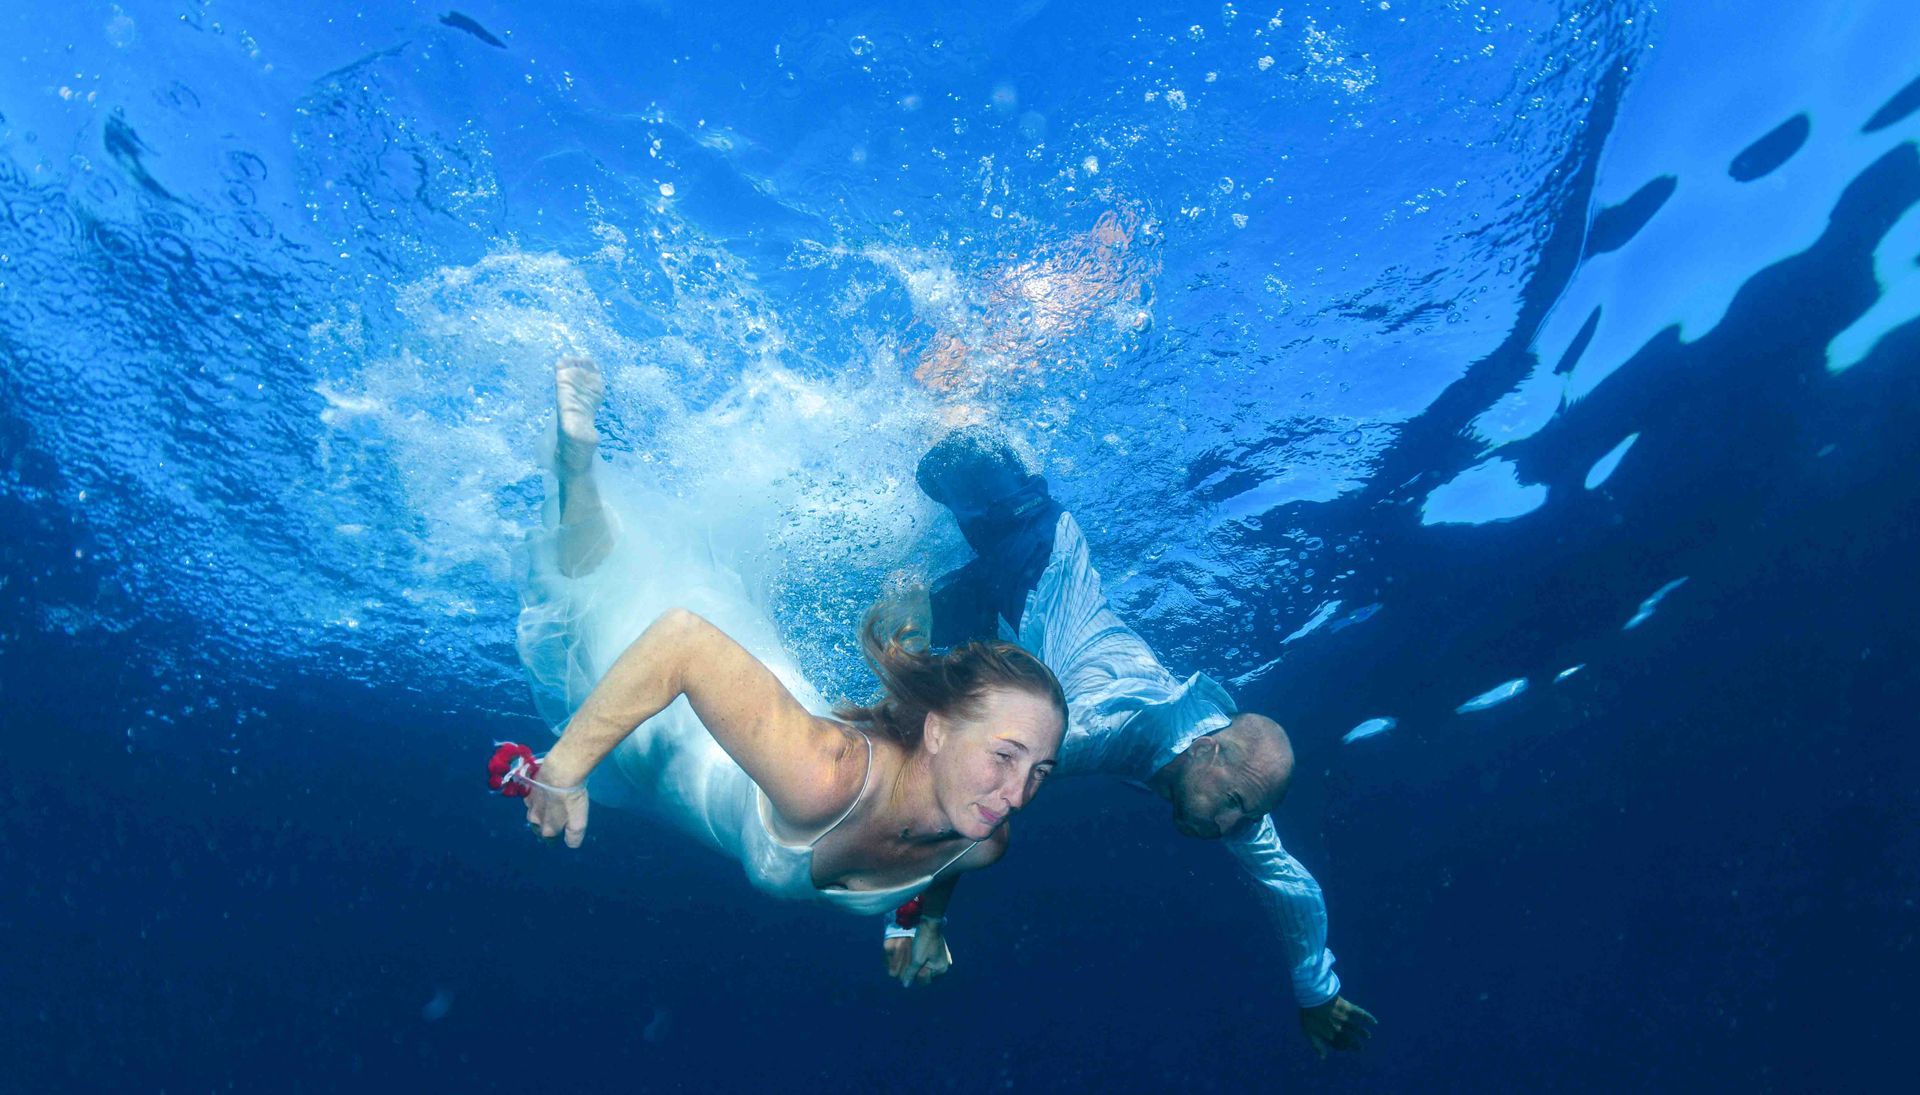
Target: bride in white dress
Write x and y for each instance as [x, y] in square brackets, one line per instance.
[672, 694]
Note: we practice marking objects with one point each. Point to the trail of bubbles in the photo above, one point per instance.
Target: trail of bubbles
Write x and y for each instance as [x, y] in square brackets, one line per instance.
[797, 480]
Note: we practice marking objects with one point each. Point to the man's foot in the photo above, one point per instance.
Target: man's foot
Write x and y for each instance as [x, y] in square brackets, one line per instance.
[971, 470]
[578, 391]
[1002, 506]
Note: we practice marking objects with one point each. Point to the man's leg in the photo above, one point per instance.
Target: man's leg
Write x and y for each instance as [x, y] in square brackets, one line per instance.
[1007, 517]
[585, 534]
[975, 473]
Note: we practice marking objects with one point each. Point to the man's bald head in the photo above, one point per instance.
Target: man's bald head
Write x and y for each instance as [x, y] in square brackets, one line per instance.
[1237, 773]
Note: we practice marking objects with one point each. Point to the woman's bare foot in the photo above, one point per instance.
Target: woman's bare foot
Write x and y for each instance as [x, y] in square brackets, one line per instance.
[585, 536]
[578, 391]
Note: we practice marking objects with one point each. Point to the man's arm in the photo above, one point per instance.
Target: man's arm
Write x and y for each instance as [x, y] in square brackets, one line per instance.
[1298, 911]
[918, 954]
[1296, 907]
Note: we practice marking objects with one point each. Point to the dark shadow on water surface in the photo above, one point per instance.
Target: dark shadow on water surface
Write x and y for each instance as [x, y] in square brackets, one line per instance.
[1714, 817]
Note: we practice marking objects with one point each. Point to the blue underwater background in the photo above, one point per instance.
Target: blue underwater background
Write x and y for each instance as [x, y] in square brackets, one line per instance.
[1397, 357]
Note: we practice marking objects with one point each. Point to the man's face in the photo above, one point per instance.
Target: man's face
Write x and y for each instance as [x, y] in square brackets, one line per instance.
[1212, 795]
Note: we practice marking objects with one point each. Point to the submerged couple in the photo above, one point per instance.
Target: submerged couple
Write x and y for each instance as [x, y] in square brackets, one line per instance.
[673, 694]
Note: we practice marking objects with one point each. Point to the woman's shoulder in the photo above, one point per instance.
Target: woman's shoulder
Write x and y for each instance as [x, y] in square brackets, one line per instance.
[840, 771]
[849, 746]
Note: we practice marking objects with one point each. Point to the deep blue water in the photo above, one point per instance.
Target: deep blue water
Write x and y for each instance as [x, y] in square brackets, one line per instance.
[1331, 324]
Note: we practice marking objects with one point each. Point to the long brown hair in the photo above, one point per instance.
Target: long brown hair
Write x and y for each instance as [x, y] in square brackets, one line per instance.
[915, 683]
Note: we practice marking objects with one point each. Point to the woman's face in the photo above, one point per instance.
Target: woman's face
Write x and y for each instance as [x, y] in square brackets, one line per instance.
[987, 767]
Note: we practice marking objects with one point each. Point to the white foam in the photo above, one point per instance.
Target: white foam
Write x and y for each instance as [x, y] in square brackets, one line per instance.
[1486, 492]
[802, 483]
[1524, 411]
[1493, 697]
[1604, 467]
[1646, 609]
[1320, 616]
[1368, 729]
[1896, 263]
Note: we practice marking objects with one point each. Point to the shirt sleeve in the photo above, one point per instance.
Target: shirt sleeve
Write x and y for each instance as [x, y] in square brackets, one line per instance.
[1126, 714]
[1296, 907]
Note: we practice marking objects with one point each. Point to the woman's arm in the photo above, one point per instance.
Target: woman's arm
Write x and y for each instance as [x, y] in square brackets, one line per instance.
[807, 766]
[919, 958]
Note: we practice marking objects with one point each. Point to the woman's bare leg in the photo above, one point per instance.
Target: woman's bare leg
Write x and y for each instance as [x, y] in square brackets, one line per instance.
[585, 534]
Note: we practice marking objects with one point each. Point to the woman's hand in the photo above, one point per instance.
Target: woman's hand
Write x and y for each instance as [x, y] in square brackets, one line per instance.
[553, 810]
[920, 959]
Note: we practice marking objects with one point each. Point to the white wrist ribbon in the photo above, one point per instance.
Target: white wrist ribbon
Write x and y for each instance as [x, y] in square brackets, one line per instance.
[518, 774]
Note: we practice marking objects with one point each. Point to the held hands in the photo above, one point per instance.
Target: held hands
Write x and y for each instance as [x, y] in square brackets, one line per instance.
[553, 811]
[918, 959]
[1337, 1024]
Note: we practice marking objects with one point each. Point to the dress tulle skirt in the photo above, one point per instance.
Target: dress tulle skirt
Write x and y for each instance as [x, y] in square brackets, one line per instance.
[572, 628]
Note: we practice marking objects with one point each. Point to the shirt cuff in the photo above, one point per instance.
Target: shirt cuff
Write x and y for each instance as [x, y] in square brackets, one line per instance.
[1316, 983]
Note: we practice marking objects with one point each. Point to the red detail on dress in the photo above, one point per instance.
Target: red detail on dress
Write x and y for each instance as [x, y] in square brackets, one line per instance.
[509, 760]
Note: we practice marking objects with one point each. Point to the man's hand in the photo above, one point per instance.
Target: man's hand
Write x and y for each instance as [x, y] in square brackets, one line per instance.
[1336, 1024]
[917, 961]
[553, 812]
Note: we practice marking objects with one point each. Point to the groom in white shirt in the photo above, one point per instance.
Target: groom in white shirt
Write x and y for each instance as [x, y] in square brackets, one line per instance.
[1223, 772]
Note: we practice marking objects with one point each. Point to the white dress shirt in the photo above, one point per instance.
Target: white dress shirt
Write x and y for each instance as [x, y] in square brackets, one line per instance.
[1128, 717]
